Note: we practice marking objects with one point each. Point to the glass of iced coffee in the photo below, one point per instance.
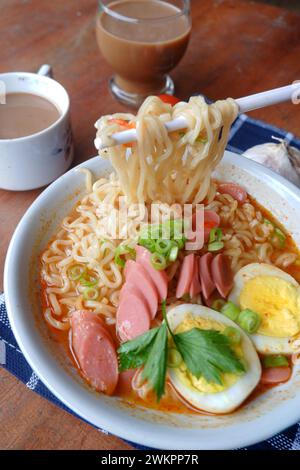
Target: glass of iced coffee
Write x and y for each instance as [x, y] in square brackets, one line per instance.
[142, 40]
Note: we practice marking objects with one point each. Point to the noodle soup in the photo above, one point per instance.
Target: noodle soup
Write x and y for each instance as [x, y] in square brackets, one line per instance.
[139, 313]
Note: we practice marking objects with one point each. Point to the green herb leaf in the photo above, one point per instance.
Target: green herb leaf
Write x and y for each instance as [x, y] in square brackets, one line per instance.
[156, 365]
[134, 353]
[207, 353]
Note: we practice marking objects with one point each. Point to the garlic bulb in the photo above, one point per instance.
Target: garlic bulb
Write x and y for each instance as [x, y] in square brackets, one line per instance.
[281, 158]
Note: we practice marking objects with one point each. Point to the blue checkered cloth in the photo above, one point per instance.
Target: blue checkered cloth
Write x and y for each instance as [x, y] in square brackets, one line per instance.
[245, 133]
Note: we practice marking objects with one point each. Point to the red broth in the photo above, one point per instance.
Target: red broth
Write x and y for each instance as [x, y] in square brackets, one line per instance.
[170, 402]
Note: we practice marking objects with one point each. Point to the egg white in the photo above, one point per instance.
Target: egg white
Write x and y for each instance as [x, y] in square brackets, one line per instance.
[231, 398]
[264, 344]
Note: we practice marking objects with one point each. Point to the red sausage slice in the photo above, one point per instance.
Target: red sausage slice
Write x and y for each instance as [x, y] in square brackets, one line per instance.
[195, 287]
[233, 190]
[159, 278]
[274, 375]
[185, 276]
[133, 316]
[95, 351]
[137, 276]
[207, 283]
[222, 274]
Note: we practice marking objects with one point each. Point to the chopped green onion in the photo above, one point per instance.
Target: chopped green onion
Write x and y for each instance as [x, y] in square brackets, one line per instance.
[163, 246]
[215, 235]
[180, 242]
[268, 222]
[201, 140]
[147, 243]
[75, 272]
[218, 304]
[158, 261]
[88, 280]
[173, 253]
[155, 232]
[249, 320]
[278, 238]
[120, 252]
[90, 293]
[215, 246]
[233, 334]
[275, 361]
[230, 310]
[174, 358]
[186, 297]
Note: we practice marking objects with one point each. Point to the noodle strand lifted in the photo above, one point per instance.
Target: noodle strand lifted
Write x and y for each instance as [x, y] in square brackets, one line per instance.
[171, 168]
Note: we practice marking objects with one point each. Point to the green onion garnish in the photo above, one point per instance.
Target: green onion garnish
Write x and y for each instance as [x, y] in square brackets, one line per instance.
[233, 334]
[75, 272]
[147, 243]
[218, 304]
[90, 293]
[215, 235]
[158, 261]
[180, 242]
[279, 238]
[268, 222]
[275, 361]
[249, 320]
[215, 246]
[186, 297]
[163, 246]
[174, 358]
[230, 310]
[173, 253]
[120, 252]
[88, 280]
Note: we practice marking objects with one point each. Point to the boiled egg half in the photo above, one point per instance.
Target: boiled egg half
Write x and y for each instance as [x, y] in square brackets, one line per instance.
[275, 296]
[199, 393]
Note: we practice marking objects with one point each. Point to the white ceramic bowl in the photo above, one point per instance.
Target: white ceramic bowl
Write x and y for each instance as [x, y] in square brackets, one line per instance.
[260, 419]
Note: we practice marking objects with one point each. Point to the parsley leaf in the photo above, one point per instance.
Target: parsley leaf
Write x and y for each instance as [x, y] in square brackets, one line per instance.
[134, 353]
[207, 353]
[156, 365]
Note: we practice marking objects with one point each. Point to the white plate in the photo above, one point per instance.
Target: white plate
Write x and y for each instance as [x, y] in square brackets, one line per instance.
[260, 419]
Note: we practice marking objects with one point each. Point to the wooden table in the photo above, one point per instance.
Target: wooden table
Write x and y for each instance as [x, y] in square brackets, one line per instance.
[237, 48]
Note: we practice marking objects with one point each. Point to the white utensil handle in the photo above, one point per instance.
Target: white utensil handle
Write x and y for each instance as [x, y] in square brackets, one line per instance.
[267, 98]
[246, 104]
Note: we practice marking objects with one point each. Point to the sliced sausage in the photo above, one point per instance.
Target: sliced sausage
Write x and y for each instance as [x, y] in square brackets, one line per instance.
[195, 287]
[125, 382]
[207, 283]
[185, 276]
[222, 274]
[138, 277]
[94, 351]
[234, 190]
[159, 278]
[133, 315]
[275, 375]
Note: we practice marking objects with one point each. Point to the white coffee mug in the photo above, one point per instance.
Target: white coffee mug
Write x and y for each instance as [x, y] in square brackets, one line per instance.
[36, 160]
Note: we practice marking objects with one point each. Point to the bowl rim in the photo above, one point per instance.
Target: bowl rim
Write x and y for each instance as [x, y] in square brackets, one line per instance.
[148, 434]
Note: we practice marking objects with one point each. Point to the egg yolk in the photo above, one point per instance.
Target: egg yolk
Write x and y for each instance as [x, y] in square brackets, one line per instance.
[188, 379]
[277, 301]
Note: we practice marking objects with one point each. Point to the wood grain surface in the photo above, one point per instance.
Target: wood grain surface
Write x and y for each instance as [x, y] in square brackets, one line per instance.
[237, 48]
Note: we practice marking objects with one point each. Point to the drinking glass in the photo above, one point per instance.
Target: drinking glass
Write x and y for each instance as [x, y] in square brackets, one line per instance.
[142, 40]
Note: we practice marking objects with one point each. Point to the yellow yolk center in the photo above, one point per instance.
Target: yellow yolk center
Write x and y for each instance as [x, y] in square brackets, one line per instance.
[277, 301]
[189, 380]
